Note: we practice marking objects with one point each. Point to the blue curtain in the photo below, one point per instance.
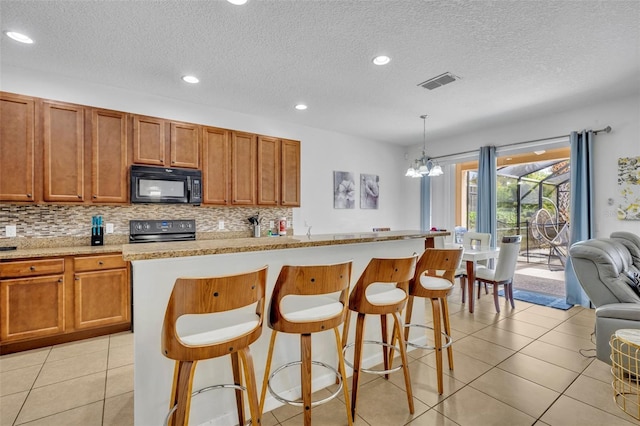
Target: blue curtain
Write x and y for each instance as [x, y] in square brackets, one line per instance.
[425, 203]
[581, 208]
[487, 194]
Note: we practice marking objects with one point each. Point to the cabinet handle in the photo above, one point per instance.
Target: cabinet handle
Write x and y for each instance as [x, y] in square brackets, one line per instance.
[79, 196]
[32, 268]
[28, 195]
[60, 280]
[95, 196]
[101, 263]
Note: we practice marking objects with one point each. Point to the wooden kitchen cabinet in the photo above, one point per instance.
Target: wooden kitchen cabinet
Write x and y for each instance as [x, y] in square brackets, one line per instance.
[290, 173]
[32, 297]
[63, 139]
[243, 168]
[185, 145]
[216, 166]
[47, 301]
[150, 143]
[101, 291]
[17, 146]
[268, 180]
[109, 163]
[278, 172]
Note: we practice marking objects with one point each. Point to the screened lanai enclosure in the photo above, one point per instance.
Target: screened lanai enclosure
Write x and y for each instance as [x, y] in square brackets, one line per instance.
[532, 201]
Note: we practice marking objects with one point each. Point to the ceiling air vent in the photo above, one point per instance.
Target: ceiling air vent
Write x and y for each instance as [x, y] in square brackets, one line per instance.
[441, 80]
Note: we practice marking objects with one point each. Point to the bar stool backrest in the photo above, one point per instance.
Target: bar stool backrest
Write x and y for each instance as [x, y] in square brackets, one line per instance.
[398, 270]
[313, 280]
[197, 296]
[439, 263]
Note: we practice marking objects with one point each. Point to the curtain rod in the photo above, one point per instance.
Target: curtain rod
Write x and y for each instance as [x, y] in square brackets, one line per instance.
[595, 132]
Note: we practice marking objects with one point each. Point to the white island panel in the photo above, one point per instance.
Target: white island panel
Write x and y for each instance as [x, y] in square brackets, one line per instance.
[152, 284]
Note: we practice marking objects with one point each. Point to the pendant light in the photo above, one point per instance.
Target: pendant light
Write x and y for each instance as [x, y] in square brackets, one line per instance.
[424, 166]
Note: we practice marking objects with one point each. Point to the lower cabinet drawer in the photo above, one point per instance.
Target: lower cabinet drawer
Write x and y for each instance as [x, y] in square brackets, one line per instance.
[96, 263]
[31, 268]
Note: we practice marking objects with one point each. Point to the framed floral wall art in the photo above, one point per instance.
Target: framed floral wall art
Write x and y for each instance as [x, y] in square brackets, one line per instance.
[344, 190]
[369, 191]
[629, 186]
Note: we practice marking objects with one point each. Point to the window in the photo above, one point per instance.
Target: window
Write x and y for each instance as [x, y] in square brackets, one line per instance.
[525, 183]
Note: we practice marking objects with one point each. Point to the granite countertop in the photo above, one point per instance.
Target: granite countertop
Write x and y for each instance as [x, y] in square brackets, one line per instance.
[239, 245]
[209, 245]
[30, 253]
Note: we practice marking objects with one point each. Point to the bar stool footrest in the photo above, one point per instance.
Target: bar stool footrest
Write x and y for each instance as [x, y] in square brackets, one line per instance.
[447, 338]
[300, 403]
[369, 371]
[203, 390]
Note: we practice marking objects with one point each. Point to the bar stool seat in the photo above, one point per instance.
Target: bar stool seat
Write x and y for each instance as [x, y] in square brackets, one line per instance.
[380, 294]
[307, 300]
[307, 309]
[237, 304]
[248, 322]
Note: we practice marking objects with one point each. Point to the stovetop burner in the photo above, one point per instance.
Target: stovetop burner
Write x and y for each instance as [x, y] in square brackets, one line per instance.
[151, 231]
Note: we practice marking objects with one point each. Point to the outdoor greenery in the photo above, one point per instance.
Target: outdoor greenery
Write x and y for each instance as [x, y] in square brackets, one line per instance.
[508, 200]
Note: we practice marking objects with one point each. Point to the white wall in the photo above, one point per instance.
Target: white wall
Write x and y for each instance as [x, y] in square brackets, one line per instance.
[622, 114]
[322, 151]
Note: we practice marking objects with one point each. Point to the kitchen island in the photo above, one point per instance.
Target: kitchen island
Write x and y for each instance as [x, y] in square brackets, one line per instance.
[156, 266]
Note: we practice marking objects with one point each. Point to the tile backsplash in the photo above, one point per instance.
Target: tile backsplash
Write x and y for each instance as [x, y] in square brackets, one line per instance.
[46, 221]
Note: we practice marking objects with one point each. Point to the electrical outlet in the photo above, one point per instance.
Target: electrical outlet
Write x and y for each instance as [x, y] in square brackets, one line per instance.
[10, 230]
[109, 229]
[271, 224]
[221, 224]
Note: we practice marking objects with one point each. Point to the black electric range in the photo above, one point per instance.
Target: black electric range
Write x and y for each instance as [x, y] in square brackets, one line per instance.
[154, 231]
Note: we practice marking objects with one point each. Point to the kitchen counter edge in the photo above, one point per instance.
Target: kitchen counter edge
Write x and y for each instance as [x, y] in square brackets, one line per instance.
[216, 246]
[133, 252]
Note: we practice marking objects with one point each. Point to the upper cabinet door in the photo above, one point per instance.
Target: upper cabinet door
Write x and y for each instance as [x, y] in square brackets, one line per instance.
[243, 168]
[185, 145]
[290, 188]
[149, 143]
[63, 152]
[268, 171]
[216, 162]
[17, 130]
[109, 156]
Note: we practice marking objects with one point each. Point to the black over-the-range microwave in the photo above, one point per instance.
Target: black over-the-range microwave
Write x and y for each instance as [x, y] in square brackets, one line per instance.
[165, 185]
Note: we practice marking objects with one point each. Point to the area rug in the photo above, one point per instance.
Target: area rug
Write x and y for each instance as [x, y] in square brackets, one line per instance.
[539, 299]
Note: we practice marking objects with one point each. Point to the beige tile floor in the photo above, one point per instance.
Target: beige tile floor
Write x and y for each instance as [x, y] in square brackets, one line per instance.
[523, 366]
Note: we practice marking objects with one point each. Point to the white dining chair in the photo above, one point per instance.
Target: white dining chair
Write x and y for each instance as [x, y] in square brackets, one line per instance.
[471, 239]
[504, 271]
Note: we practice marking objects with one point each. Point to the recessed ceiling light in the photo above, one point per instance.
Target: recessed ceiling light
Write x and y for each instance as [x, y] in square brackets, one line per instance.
[237, 2]
[301, 107]
[190, 79]
[18, 37]
[381, 60]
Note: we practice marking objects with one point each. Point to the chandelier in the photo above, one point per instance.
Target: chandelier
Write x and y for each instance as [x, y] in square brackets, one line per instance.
[424, 166]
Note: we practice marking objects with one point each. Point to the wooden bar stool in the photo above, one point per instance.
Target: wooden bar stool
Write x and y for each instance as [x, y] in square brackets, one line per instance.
[433, 279]
[381, 290]
[230, 334]
[302, 303]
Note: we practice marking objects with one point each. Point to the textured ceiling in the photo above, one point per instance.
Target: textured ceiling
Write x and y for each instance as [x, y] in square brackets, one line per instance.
[516, 58]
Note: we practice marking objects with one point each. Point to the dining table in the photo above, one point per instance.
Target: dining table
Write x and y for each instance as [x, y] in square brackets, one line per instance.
[471, 255]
